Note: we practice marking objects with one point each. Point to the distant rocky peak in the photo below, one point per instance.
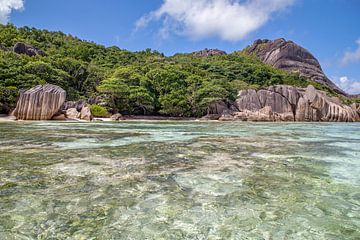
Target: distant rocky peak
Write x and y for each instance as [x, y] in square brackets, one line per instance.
[291, 57]
[209, 52]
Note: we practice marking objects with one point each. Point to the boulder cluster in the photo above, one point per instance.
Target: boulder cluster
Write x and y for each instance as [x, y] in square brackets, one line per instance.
[288, 103]
[48, 103]
[79, 110]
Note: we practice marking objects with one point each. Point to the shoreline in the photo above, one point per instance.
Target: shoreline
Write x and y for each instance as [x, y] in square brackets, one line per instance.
[131, 118]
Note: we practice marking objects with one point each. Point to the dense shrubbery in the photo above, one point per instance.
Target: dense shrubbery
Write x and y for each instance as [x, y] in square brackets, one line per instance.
[144, 82]
[99, 111]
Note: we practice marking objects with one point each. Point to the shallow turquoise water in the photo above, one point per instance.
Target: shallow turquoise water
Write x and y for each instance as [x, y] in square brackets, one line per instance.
[179, 180]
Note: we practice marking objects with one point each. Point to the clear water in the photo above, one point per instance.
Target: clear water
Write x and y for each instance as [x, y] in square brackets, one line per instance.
[179, 180]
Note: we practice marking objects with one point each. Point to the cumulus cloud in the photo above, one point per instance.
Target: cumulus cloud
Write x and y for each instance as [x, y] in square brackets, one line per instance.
[351, 56]
[231, 20]
[348, 85]
[6, 6]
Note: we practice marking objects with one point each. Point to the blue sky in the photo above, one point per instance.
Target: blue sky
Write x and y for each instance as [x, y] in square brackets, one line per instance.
[328, 28]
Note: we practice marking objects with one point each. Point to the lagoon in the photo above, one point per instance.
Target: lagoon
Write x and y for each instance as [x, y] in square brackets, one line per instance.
[179, 180]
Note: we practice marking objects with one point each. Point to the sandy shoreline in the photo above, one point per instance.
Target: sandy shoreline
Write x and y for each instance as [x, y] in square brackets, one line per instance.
[6, 118]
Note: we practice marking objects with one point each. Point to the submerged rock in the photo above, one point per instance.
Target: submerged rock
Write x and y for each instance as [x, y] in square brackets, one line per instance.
[39, 103]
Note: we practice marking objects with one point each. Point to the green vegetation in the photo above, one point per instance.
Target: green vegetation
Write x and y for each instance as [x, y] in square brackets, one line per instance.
[99, 111]
[144, 82]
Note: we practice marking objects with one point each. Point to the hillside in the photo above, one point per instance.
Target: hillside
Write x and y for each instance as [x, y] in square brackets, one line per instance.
[144, 83]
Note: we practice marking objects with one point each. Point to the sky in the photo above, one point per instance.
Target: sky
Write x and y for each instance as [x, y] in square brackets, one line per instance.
[327, 28]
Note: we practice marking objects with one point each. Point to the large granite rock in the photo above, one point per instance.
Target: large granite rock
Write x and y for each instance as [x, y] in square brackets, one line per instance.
[287, 103]
[317, 106]
[289, 56]
[22, 48]
[40, 102]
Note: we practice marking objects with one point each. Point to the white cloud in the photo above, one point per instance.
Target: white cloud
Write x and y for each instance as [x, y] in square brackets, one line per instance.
[351, 56]
[6, 6]
[231, 20]
[348, 85]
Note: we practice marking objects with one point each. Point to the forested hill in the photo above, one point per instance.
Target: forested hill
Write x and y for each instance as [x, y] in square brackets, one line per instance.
[145, 82]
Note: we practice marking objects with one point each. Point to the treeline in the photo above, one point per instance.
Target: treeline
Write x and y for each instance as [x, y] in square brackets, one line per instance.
[145, 82]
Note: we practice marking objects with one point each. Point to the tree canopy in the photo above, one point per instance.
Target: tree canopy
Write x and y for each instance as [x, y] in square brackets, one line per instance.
[145, 82]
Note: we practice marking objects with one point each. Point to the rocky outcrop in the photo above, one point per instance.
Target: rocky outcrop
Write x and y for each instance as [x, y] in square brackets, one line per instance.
[287, 103]
[39, 103]
[317, 106]
[208, 52]
[289, 56]
[22, 48]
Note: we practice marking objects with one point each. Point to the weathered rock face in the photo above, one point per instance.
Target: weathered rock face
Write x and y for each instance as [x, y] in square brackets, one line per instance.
[40, 103]
[85, 114]
[289, 56]
[208, 52]
[22, 48]
[72, 113]
[317, 106]
[217, 107]
[287, 103]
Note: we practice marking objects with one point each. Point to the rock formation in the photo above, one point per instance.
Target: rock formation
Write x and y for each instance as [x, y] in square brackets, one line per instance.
[85, 114]
[288, 103]
[22, 48]
[289, 56]
[72, 113]
[39, 103]
[208, 52]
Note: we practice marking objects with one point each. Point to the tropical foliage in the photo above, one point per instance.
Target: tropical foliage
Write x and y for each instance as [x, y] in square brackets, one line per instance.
[145, 82]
